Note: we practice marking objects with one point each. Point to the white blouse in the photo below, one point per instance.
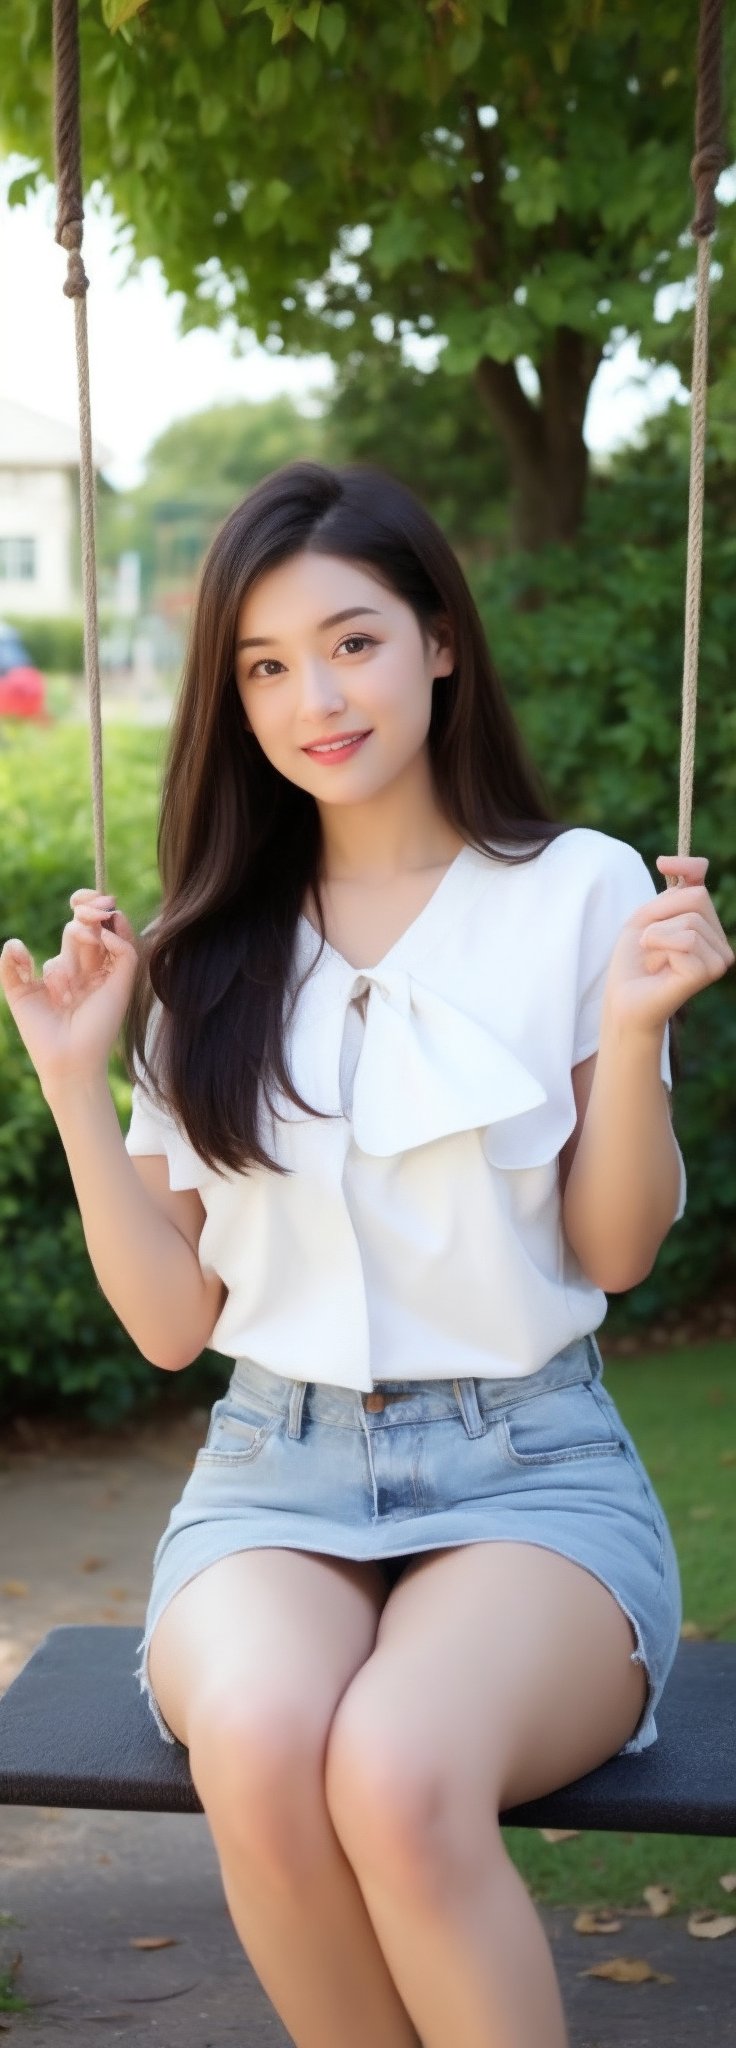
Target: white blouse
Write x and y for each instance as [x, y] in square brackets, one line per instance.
[419, 1233]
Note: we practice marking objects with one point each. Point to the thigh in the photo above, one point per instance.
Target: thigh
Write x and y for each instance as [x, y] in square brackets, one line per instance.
[499, 1668]
[264, 1629]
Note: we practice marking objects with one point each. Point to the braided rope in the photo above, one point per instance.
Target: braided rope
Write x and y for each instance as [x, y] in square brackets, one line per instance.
[69, 228]
[709, 160]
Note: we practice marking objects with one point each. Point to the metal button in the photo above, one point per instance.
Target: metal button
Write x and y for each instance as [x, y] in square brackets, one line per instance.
[375, 1402]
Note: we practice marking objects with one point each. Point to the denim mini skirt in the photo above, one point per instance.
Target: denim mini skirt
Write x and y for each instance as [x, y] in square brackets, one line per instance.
[425, 1465]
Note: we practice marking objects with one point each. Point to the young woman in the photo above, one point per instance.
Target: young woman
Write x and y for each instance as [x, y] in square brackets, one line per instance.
[400, 1047]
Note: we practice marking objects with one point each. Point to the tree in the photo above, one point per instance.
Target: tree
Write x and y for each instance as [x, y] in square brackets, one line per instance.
[196, 470]
[510, 182]
[430, 434]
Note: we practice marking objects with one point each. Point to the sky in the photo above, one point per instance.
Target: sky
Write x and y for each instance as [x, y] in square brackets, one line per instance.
[144, 374]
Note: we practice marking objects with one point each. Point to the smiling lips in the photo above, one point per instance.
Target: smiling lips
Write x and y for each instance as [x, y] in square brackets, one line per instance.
[337, 749]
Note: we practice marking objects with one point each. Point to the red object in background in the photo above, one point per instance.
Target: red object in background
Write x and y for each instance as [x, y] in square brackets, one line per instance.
[23, 695]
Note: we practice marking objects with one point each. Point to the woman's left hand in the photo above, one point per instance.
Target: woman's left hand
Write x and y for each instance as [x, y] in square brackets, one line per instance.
[669, 949]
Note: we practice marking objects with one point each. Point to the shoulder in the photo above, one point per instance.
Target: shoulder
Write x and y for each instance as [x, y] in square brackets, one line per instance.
[587, 851]
[579, 865]
[588, 870]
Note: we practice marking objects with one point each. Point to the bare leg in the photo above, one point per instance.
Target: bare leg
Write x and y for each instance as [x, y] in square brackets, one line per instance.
[447, 1725]
[248, 1663]
[316, 1953]
[476, 1966]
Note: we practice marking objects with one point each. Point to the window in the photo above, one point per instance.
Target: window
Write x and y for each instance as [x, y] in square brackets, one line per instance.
[17, 558]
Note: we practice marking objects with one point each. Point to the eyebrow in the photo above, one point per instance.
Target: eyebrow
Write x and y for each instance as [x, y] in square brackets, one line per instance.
[335, 619]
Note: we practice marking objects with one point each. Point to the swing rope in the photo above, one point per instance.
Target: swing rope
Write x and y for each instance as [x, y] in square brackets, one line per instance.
[709, 160]
[69, 229]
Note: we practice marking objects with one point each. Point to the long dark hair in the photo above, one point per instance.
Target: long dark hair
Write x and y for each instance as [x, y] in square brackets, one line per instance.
[238, 845]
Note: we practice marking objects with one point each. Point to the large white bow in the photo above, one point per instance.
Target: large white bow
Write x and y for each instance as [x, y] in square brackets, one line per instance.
[425, 1068]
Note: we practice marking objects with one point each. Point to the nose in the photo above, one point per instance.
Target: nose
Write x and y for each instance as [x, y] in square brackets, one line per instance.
[318, 688]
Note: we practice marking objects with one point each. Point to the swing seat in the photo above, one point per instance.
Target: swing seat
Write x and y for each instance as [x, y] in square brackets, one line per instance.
[75, 1730]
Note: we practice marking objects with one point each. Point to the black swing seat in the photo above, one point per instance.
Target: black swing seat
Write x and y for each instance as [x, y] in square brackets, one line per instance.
[75, 1730]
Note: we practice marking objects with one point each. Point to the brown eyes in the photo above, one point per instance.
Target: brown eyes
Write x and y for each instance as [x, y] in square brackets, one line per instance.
[269, 660]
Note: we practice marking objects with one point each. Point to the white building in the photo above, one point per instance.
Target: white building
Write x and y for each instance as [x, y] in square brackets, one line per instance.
[40, 573]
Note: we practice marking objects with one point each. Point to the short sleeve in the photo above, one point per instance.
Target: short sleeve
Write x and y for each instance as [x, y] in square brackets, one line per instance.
[621, 885]
[152, 1129]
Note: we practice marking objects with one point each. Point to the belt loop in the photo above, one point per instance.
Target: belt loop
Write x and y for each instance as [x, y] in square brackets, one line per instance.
[467, 1401]
[296, 1404]
[596, 1356]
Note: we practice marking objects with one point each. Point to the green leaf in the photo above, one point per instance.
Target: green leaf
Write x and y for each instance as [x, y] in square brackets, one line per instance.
[186, 80]
[283, 21]
[505, 334]
[277, 192]
[307, 19]
[273, 84]
[394, 242]
[428, 178]
[464, 49]
[115, 12]
[332, 26]
[212, 114]
[560, 54]
[18, 190]
[122, 92]
[210, 25]
[498, 10]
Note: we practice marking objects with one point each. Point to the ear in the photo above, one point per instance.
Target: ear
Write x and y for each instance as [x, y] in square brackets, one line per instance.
[443, 655]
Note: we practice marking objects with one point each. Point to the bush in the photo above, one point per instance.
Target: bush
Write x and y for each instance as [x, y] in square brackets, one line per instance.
[62, 1348]
[55, 646]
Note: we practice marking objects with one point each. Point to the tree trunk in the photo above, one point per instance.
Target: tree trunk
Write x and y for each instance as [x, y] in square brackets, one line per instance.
[547, 455]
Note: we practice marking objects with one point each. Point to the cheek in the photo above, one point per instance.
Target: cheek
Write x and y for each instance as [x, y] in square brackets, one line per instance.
[400, 697]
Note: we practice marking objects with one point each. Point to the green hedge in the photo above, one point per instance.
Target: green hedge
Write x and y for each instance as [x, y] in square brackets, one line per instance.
[55, 645]
[595, 678]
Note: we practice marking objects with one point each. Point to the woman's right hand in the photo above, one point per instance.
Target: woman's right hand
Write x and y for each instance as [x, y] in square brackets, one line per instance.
[69, 1019]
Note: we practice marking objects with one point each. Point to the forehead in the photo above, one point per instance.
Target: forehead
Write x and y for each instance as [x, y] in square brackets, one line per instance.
[307, 589]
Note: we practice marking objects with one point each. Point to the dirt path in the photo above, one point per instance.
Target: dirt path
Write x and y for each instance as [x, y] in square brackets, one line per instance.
[80, 1515]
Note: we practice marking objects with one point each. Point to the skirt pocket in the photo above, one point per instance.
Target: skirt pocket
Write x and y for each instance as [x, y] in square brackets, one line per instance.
[556, 1427]
[233, 1437]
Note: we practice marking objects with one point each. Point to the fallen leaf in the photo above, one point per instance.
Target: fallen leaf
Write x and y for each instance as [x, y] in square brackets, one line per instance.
[596, 1923]
[154, 1941]
[692, 1632]
[659, 1899]
[627, 1970]
[709, 1925]
[729, 1881]
[727, 1457]
[559, 1834]
[15, 1588]
[93, 1564]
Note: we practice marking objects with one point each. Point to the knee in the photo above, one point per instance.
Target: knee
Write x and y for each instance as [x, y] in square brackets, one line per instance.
[405, 1819]
[257, 1766]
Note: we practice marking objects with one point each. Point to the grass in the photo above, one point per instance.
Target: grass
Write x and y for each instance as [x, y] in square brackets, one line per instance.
[680, 1407]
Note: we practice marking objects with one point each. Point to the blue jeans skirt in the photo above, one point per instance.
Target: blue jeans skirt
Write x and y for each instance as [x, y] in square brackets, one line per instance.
[425, 1465]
